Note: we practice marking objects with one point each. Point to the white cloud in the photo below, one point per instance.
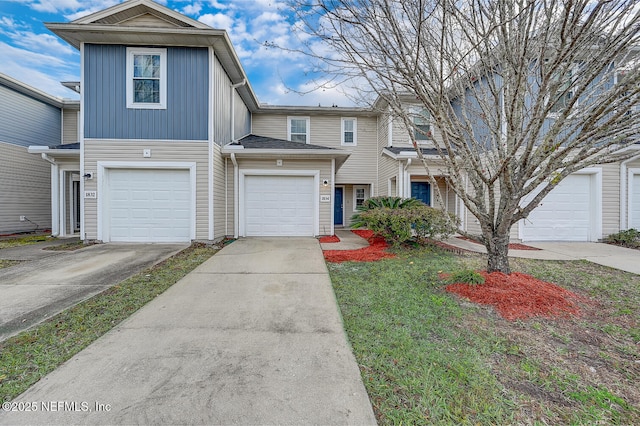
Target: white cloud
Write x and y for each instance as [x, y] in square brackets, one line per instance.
[192, 9]
[219, 21]
[41, 71]
[41, 43]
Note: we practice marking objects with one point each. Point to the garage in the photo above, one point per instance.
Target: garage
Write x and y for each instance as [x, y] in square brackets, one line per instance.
[634, 204]
[148, 205]
[276, 205]
[567, 213]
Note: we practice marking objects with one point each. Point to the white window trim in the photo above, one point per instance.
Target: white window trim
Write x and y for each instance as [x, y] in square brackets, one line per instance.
[307, 119]
[355, 131]
[416, 111]
[131, 51]
[366, 195]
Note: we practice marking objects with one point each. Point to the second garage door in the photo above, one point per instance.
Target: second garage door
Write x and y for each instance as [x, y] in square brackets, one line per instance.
[279, 206]
[148, 205]
[564, 214]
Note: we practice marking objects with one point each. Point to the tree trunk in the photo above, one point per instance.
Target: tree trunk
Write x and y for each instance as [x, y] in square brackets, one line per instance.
[497, 253]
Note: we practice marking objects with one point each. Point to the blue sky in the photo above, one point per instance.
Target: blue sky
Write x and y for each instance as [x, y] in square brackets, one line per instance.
[32, 54]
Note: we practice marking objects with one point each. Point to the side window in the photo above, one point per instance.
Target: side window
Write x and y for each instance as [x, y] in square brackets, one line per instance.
[422, 124]
[360, 194]
[298, 129]
[146, 78]
[349, 131]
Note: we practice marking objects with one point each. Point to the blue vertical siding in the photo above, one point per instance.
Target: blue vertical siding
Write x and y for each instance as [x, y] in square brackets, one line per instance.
[106, 112]
[27, 121]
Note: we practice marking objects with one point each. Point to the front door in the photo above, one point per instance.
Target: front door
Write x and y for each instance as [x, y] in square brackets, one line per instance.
[338, 206]
[421, 191]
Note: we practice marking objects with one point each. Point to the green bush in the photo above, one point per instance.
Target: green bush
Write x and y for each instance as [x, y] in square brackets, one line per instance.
[628, 238]
[382, 202]
[400, 224]
[467, 276]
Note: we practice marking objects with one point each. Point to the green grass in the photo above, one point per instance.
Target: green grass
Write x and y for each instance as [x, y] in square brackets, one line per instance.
[23, 241]
[29, 356]
[428, 357]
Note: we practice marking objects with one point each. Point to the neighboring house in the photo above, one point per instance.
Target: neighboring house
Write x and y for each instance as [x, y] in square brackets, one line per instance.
[29, 116]
[174, 146]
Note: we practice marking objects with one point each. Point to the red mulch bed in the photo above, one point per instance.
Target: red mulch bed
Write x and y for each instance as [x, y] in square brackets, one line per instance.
[512, 246]
[520, 296]
[330, 239]
[375, 251]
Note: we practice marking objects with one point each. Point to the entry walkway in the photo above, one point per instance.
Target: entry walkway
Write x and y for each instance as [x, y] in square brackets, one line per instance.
[252, 336]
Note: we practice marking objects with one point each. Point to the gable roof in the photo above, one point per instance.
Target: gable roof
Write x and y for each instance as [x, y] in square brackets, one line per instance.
[146, 23]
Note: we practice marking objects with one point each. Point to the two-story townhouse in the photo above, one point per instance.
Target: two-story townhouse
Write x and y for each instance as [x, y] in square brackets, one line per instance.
[587, 205]
[401, 171]
[29, 116]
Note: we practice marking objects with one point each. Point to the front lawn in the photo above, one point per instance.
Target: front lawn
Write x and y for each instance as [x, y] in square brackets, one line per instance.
[427, 356]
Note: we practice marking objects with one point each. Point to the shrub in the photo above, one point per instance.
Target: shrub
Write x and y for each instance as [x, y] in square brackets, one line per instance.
[398, 225]
[467, 276]
[628, 238]
[379, 203]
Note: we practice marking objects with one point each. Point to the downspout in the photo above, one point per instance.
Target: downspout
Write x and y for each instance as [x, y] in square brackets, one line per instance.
[55, 200]
[624, 192]
[405, 177]
[233, 108]
[236, 201]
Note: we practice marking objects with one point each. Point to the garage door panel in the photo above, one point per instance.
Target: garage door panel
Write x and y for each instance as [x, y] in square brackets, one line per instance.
[279, 205]
[564, 214]
[635, 201]
[149, 205]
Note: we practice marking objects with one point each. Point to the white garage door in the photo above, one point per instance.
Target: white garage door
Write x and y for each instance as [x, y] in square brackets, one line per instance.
[564, 214]
[279, 206]
[635, 202]
[148, 205]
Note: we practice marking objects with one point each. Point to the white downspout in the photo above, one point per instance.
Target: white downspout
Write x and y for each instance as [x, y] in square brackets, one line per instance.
[236, 201]
[55, 200]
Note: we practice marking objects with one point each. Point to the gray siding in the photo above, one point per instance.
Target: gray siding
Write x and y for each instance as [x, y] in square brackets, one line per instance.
[219, 194]
[178, 151]
[106, 113]
[26, 121]
[242, 117]
[25, 190]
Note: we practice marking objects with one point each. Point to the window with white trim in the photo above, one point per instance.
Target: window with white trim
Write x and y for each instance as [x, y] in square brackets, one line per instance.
[349, 131]
[298, 129]
[421, 123]
[146, 78]
[360, 194]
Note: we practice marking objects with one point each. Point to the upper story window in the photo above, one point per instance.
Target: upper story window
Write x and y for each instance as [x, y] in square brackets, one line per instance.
[298, 129]
[146, 78]
[422, 124]
[564, 81]
[349, 132]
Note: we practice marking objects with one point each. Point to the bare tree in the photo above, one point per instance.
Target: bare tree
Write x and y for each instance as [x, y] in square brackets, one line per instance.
[524, 92]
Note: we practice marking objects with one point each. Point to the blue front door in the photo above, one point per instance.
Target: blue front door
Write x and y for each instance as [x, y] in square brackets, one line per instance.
[337, 207]
[421, 191]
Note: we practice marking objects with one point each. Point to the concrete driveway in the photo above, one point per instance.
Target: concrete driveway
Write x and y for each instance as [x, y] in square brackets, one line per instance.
[253, 336]
[51, 281]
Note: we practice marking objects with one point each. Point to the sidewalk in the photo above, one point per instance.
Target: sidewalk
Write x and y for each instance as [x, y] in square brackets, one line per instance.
[603, 254]
[252, 336]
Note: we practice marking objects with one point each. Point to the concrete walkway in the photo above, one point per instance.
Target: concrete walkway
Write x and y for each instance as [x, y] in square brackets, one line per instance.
[609, 255]
[252, 336]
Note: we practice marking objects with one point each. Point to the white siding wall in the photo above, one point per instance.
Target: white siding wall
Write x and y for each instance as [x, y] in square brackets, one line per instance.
[69, 126]
[360, 168]
[25, 189]
[165, 151]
